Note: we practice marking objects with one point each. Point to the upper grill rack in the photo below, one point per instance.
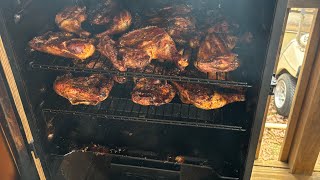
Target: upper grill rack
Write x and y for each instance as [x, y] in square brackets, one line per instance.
[172, 114]
[49, 62]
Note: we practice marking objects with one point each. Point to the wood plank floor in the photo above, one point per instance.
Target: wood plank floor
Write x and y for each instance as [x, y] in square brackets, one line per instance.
[275, 170]
[270, 173]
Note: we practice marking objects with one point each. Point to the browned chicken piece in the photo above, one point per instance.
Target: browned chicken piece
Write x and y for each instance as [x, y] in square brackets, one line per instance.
[131, 58]
[170, 11]
[99, 64]
[63, 44]
[181, 29]
[177, 10]
[222, 26]
[87, 90]
[107, 47]
[155, 43]
[175, 26]
[94, 64]
[103, 13]
[152, 92]
[204, 97]
[134, 58]
[215, 56]
[225, 30]
[114, 17]
[70, 20]
[120, 24]
[230, 40]
[177, 21]
[218, 76]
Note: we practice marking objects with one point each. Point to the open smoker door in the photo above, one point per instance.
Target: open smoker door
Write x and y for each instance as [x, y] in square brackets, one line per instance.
[24, 133]
[13, 120]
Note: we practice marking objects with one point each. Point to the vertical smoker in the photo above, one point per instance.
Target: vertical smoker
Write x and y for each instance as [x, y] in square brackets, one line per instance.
[120, 139]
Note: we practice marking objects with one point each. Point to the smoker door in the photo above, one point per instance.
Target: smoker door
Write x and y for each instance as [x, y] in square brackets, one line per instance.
[273, 52]
[21, 146]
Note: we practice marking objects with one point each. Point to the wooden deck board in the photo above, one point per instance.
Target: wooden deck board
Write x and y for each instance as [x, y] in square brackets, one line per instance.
[270, 173]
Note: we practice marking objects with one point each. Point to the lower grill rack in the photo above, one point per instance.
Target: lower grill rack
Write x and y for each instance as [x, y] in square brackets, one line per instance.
[172, 114]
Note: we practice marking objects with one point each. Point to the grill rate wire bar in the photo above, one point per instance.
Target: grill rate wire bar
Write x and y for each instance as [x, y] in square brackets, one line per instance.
[171, 114]
[51, 63]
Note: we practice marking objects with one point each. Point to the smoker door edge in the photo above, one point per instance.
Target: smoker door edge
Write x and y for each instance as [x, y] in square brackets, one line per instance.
[6, 67]
[273, 50]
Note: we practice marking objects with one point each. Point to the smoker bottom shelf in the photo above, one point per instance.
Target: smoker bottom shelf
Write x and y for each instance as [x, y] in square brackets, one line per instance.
[231, 117]
[88, 165]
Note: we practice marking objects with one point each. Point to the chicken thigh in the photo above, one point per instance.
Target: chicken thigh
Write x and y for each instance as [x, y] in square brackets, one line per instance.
[87, 90]
[70, 20]
[215, 56]
[152, 92]
[113, 16]
[204, 97]
[177, 21]
[63, 44]
[153, 42]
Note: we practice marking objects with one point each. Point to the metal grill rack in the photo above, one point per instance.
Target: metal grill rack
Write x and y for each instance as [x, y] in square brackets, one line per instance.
[172, 114]
[54, 63]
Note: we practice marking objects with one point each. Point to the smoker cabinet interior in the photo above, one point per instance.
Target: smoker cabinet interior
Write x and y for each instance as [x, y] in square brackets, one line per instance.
[143, 142]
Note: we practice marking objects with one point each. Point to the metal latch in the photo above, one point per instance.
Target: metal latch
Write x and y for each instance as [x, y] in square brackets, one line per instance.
[33, 148]
[273, 84]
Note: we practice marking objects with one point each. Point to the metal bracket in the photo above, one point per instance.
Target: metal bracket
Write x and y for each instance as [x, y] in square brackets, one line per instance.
[23, 5]
[273, 84]
[33, 148]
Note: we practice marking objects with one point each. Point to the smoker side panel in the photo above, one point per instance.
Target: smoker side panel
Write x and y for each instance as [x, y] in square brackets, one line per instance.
[273, 50]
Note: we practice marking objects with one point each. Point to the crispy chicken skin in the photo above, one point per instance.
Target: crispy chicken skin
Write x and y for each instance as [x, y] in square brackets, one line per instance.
[155, 42]
[215, 56]
[130, 58]
[134, 58]
[102, 14]
[152, 92]
[99, 64]
[204, 97]
[87, 90]
[70, 19]
[107, 47]
[222, 26]
[170, 11]
[224, 29]
[177, 21]
[120, 24]
[113, 16]
[181, 29]
[63, 44]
